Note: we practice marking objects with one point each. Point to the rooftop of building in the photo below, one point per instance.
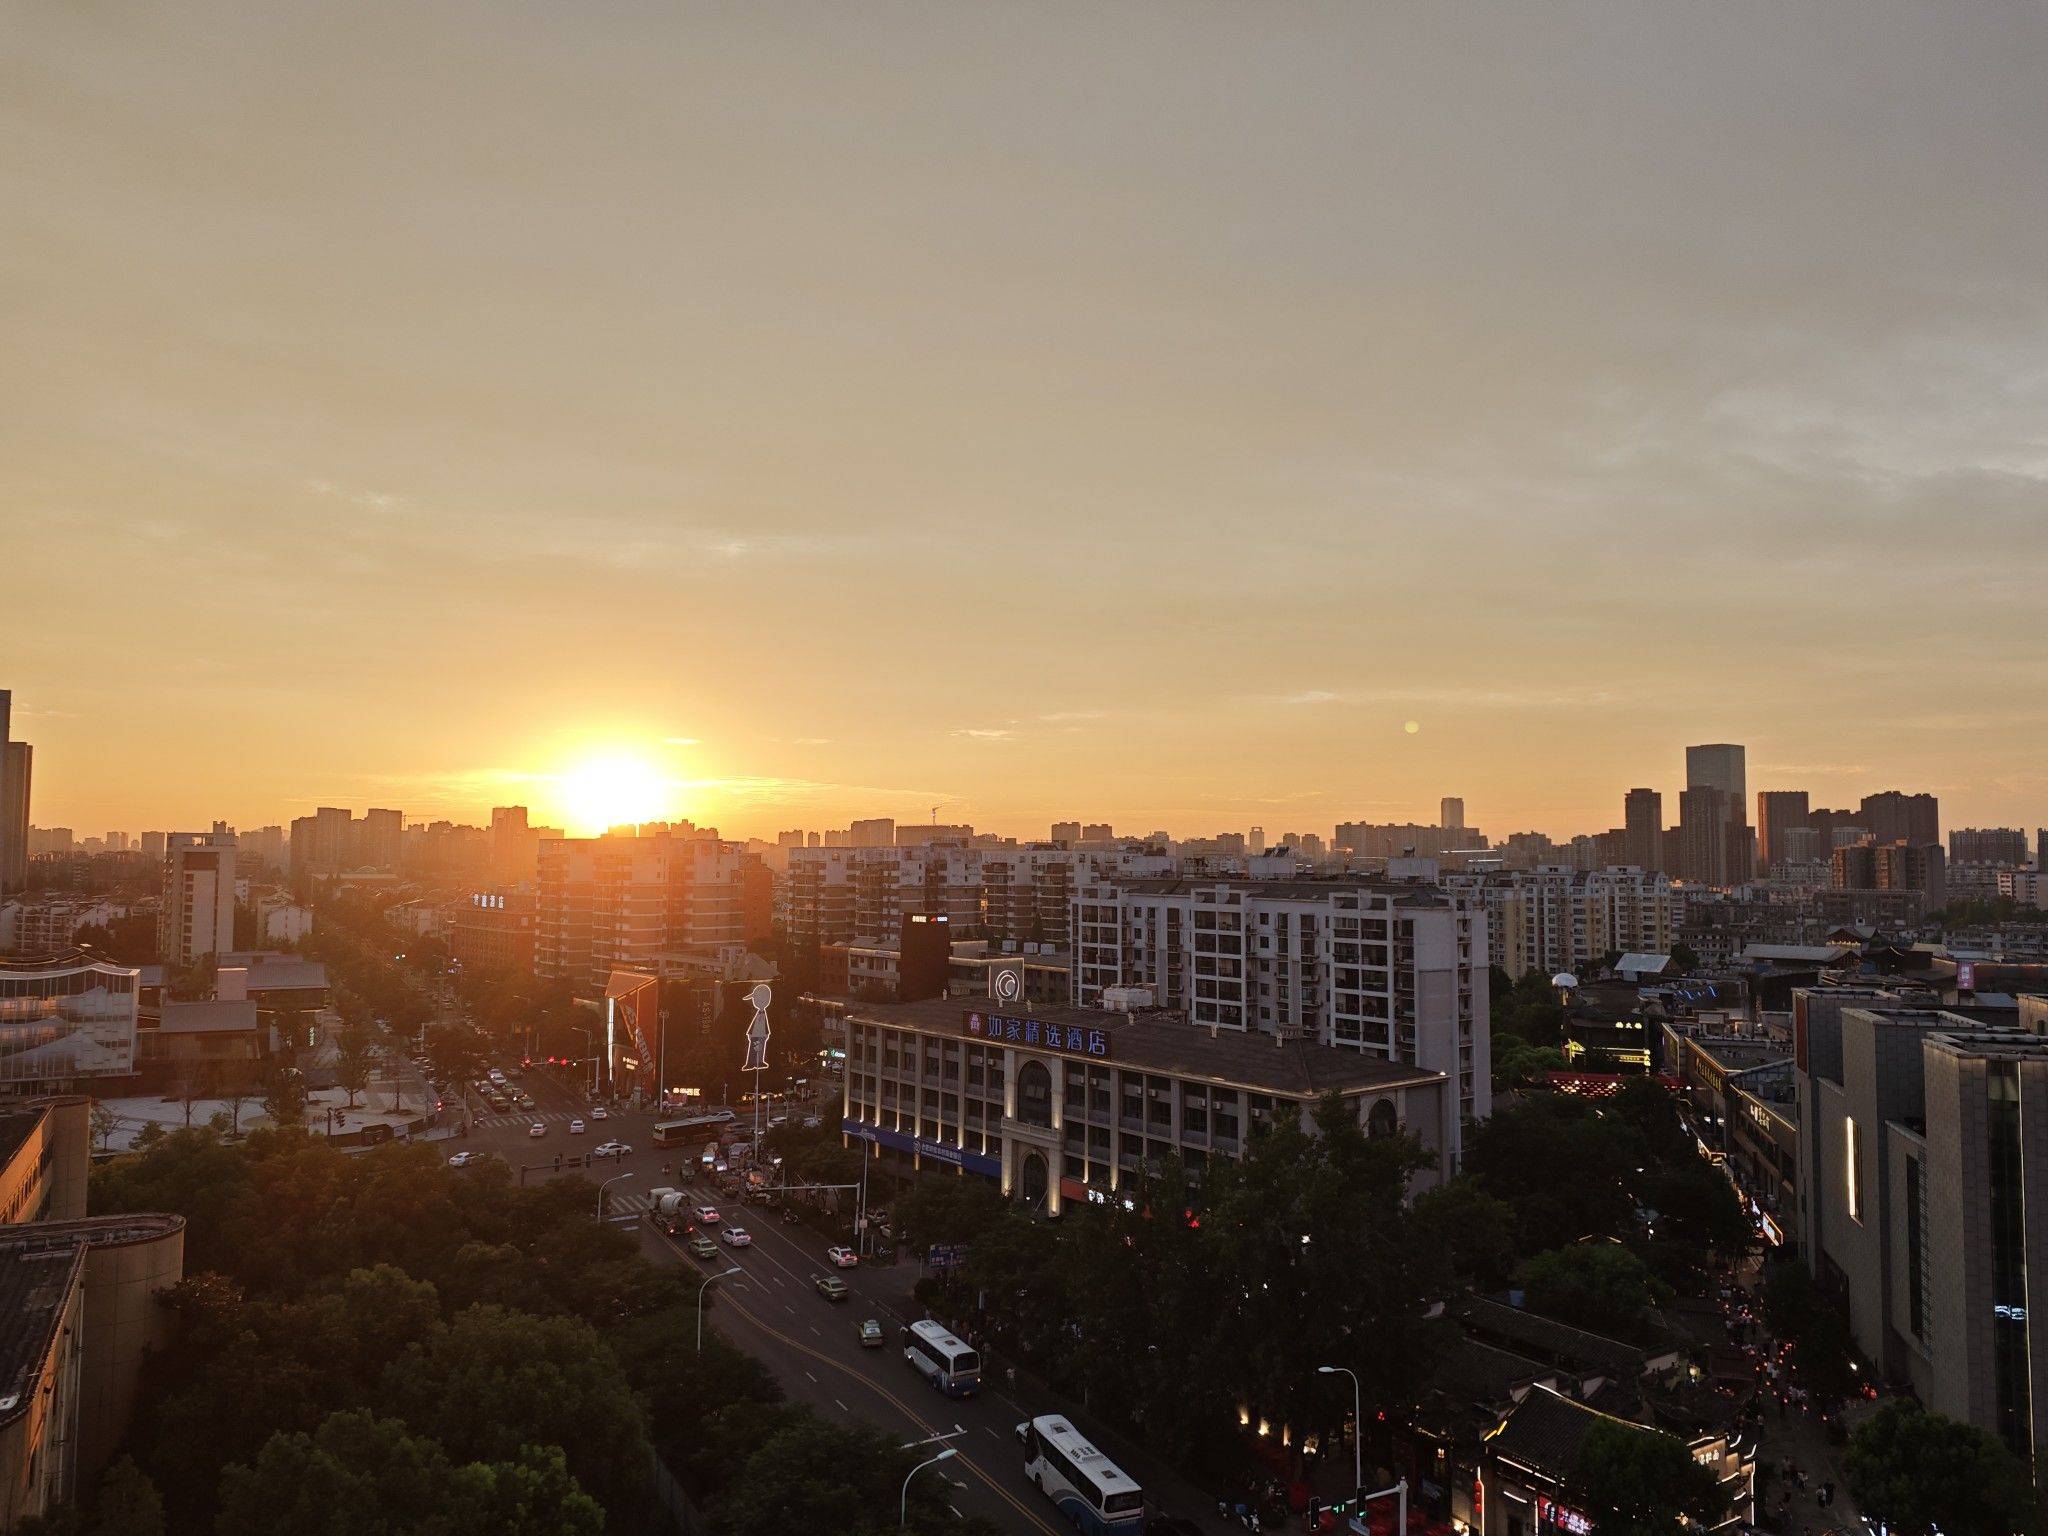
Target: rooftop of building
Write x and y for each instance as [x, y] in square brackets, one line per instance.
[206, 1017]
[1992, 1044]
[16, 1126]
[1166, 1043]
[1740, 1053]
[1296, 888]
[1549, 1338]
[35, 1285]
[1472, 1372]
[1803, 954]
[62, 961]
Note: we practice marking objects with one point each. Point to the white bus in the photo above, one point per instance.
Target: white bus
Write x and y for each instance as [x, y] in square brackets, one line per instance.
[949, 1364]
[1093, 1492]
[694, 1127]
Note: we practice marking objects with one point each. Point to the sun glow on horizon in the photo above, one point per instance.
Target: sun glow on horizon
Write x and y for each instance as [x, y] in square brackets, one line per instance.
[615, 790]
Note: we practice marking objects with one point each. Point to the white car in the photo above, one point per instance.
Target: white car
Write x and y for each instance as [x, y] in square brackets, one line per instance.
[610, 1149]
[735, 1237]
[464, 1159]
[844, 1258]
[706, 1215]
[536, 1129]
[575, 1127]
[599, 1112]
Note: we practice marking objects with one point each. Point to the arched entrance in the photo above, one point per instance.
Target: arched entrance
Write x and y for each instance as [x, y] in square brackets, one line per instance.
[1031, 1181]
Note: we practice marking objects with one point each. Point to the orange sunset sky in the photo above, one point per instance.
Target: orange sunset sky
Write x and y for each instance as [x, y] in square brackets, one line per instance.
[1137, 412]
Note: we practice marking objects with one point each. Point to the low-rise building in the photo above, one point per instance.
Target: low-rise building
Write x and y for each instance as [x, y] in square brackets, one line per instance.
[65, 1019]
[78, 1310]
[1061, 1103]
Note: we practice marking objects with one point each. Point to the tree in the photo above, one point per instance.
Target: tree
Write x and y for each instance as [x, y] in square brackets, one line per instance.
[355, 1051]
[284, 1096]
[1518, 1064]
[104, 1123]
[498, 1380]
[1517, 1152]
[820, 1476]
[129, 1504]
[457, 1052]
[360, 1473]
[1918, 1472]
[1474, 1232]
[189, 1079]
[1596, 1285]
[1642, 1482]
[949, 1210]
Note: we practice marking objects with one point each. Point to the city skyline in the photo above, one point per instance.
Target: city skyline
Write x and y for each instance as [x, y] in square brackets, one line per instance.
[747, 807]
[1135, 413]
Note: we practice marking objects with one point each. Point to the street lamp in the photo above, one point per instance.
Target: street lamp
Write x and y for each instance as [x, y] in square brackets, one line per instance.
[735, 1270]
[903, 1504]
[1357, 1425]
[607, 1184]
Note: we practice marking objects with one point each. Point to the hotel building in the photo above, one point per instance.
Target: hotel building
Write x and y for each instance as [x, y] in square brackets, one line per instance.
[1059, 1103]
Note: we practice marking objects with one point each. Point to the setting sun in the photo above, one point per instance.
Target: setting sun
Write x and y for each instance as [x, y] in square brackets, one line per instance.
[613, 791]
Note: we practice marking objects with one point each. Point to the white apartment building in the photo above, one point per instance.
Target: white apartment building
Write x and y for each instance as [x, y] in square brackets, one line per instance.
[197, 915]
[1393, 970]
[42, 925]
[1555, 918]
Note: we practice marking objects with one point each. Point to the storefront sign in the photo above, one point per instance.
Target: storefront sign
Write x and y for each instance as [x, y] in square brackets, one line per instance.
[1032, 1034]
[930, 1151]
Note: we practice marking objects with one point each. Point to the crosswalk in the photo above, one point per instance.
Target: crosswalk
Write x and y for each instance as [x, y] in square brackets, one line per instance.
[544, 1116]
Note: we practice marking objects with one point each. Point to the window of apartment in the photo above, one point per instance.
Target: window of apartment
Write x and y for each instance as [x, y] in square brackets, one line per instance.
[1852, 1170]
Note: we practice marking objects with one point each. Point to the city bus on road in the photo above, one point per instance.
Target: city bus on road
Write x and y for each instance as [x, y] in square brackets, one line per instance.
[673, 1133]
[1093, 1492]
[949, 1364]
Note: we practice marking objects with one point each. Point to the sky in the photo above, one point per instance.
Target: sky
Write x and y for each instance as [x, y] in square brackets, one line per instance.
[1133, 412]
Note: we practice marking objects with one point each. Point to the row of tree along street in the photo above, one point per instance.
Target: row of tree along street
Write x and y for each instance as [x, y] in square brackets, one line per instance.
[377, 1343]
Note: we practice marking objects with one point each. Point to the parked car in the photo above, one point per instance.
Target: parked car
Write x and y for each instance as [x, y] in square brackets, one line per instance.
[871, 1334]
[703, 1247]
[576, 1127]
[842, 1258]
[536, 1129]
[736, 1237]
[832, 1288]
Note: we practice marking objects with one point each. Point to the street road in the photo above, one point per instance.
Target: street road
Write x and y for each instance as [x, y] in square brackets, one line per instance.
[773, 1312]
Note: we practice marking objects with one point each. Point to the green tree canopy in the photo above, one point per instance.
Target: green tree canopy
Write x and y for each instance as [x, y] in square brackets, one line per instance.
[1920, 1472]
[1643, 1482]
[1599, 1286]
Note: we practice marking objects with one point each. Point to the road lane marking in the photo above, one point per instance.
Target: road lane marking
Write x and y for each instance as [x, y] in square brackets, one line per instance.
[1036, 1518]
[814, 1380]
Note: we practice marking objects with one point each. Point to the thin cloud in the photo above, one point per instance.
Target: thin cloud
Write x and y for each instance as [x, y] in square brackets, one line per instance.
[986, 733]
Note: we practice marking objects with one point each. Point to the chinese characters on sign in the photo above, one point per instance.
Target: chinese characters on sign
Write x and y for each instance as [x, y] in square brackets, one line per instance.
[1067, 1039]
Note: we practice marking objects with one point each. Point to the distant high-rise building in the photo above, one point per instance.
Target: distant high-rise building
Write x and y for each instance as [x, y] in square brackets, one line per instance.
[1894, 817]
[1097, 832]
[1704, 820]
[878, 832]
[794, 838]
[1722, 766]
[1066, 831]
[375, 841]
[1988, 845]
[1777, 812]
[153, 845]
[1451, 813]
[1258, 840]
[196, 916]
[1643, 828]
[16, 760]
[616, 901]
